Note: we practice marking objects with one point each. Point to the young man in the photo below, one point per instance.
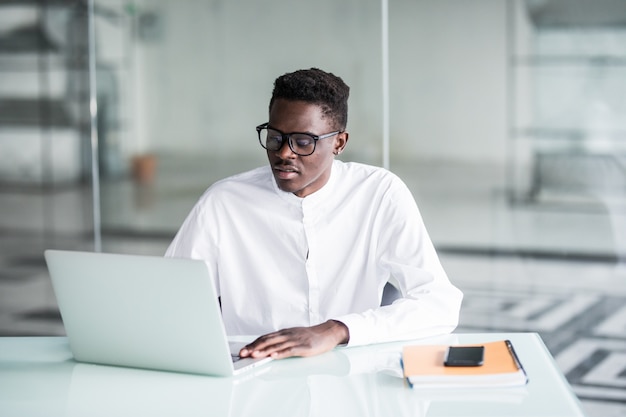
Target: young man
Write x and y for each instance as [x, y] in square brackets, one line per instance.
[300, 250]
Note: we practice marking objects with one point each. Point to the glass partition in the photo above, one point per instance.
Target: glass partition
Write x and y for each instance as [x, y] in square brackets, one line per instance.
[188, 81]
[45, 200]
[504, 123]
[182, 85]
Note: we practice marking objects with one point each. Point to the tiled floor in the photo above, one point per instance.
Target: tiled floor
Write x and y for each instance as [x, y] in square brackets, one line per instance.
[551, 268]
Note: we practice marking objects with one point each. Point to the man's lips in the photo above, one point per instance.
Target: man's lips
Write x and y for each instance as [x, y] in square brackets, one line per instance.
[285, 171]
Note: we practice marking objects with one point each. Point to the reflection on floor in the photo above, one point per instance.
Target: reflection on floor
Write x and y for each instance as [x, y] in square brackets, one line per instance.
[578, 308]
[549, 269]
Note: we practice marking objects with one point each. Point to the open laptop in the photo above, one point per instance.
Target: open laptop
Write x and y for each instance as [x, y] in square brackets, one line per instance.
[143, 312]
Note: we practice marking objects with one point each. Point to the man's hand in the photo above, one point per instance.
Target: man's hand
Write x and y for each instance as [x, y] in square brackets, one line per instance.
[298, 341]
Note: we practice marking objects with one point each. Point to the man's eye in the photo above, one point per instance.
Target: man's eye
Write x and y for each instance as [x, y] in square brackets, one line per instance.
[301, 141]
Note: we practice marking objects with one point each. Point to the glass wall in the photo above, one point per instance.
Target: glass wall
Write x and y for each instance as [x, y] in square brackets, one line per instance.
[191, 81]
[45, 200]
[504, 122]
[475, 90]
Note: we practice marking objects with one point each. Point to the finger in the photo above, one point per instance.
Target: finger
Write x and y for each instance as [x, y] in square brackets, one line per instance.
[286, 352]
[261, 344]
[285, 343]
[289, 350]
[292, 347]
[272, 349]
[296, 350]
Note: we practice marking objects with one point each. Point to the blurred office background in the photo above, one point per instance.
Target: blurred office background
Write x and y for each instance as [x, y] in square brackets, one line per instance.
[506, 118]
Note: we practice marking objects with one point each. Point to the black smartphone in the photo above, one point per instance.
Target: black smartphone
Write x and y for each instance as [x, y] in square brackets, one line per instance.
[464, 356]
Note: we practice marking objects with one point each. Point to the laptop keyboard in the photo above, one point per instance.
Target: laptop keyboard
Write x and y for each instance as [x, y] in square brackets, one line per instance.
[235, 347]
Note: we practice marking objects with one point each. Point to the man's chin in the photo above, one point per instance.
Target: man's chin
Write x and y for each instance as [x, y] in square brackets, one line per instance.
[286, 185]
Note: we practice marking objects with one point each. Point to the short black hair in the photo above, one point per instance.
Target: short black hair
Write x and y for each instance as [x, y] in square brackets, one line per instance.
[316, 87]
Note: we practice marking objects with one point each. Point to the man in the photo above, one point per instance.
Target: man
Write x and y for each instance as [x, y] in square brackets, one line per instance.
[300, 250]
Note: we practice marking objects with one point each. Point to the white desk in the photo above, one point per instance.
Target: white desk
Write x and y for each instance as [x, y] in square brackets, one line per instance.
[38, 377]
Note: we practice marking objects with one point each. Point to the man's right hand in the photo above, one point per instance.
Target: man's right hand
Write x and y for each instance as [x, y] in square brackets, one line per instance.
[298, 341]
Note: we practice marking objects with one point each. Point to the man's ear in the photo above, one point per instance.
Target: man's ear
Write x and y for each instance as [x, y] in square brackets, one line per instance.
[340, 142]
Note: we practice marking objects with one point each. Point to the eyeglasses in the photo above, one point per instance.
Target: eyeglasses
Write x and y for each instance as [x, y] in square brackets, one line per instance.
[302, 144]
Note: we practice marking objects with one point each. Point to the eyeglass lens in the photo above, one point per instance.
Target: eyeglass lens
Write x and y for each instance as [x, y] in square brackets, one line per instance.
[300, 143]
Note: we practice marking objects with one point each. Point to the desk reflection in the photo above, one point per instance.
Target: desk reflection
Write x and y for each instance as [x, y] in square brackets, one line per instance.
[320, 386]
[27, 388]
[343, 382]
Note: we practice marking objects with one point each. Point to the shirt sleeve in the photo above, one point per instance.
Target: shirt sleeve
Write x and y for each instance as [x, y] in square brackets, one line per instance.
[430, 304]
[195, 240]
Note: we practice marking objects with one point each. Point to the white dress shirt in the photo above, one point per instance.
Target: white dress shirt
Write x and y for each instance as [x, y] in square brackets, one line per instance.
[279, 261]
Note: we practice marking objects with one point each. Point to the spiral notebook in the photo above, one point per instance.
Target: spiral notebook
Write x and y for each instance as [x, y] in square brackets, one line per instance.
[423, 366]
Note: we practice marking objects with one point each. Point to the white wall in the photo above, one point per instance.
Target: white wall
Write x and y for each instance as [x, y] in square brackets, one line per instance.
[205, 82]
[448, 79]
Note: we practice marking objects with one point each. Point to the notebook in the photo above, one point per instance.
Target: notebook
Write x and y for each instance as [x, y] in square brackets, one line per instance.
[143, 312]
[424, 367]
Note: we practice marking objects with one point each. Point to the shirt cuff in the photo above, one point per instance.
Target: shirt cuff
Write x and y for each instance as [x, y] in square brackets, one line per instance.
[357, 330]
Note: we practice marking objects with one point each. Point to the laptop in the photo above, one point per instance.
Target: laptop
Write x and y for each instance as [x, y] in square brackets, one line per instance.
[143, 312]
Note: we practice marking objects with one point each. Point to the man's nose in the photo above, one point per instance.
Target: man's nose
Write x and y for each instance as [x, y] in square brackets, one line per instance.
[285, 151]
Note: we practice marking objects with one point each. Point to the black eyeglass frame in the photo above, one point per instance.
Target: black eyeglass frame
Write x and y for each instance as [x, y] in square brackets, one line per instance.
[287, 137]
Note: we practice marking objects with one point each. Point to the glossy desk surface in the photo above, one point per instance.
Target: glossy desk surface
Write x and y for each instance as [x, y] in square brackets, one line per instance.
[38, 377]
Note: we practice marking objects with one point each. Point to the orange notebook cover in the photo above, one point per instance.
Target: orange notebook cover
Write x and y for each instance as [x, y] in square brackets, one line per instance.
[423, 366]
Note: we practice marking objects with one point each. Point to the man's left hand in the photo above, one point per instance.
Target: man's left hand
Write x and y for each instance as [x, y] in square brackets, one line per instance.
[298, 341]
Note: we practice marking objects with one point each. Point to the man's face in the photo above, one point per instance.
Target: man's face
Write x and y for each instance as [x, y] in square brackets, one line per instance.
[303, 175]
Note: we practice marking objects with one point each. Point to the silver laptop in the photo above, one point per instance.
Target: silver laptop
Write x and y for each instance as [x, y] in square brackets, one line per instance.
[143, 312]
